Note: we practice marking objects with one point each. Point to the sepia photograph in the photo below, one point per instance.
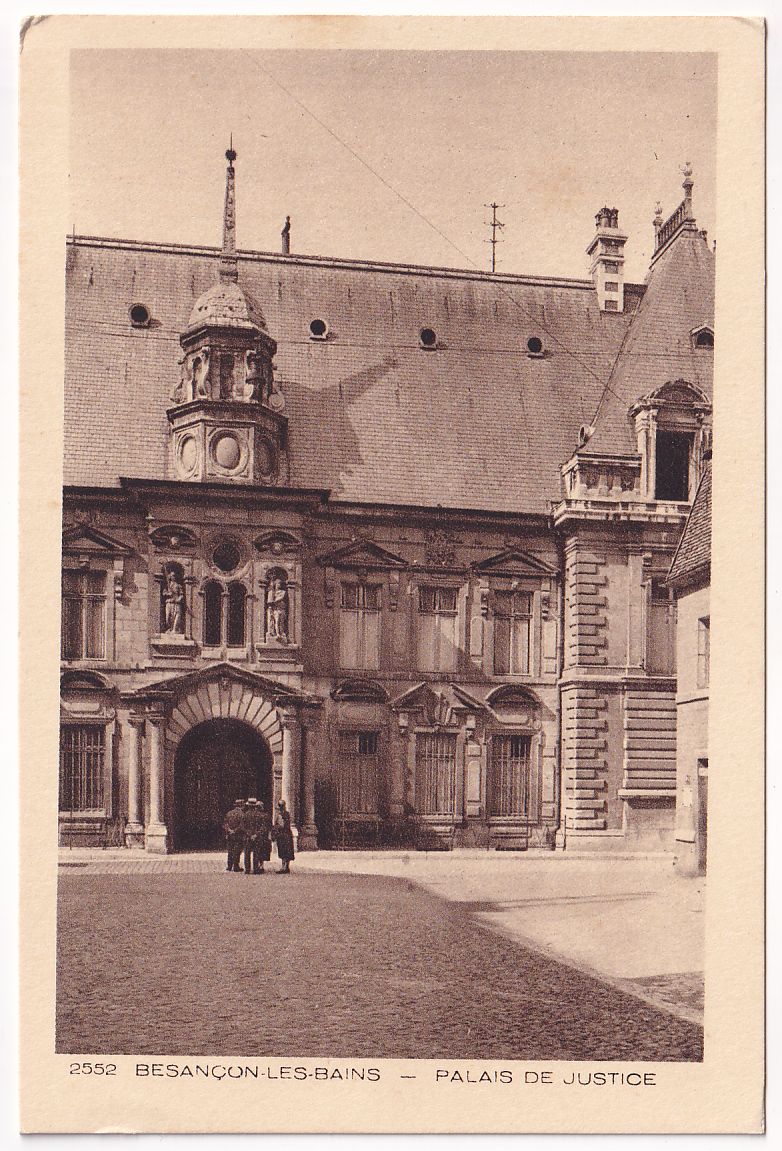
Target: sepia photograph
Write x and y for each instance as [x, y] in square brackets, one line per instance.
[384, 675]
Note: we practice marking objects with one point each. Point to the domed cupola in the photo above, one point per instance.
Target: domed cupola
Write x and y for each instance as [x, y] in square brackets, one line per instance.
[227, 421]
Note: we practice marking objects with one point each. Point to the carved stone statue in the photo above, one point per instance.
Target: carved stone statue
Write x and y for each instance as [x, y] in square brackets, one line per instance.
[174, 596]
[201, 375]
[277, 611]
[181, 391]
[251, 376]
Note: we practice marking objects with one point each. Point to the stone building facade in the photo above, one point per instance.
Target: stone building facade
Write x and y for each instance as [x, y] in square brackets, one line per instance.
[388, 542]
[690, 579]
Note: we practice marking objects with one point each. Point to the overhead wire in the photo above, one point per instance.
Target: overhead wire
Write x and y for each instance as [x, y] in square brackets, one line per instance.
[604, 382]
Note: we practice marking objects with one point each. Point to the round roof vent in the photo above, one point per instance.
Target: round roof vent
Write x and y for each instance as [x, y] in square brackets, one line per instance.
[535, 346]
[319, 329]
[139, 315]
[428, 338]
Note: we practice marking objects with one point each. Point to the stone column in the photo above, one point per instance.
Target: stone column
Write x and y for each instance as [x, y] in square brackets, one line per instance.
[134, 828]
[308, 831]
[156, 831]
[290, 743]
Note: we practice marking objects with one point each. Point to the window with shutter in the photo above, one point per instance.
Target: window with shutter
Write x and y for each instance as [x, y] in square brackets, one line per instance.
[512, 632]
[359, 626]
[438, 623]
[83, 615]
[357, 773]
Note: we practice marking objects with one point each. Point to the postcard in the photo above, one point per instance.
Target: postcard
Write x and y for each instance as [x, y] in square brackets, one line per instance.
[392, 405]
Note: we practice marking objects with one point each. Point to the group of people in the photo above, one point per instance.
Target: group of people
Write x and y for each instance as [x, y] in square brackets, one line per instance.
[248, 828]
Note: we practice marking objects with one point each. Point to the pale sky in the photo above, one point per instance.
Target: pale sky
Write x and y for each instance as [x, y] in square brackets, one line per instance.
[551, 136]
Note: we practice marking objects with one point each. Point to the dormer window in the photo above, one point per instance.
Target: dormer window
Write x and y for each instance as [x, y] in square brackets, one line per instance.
[673, 429]
[703, 338]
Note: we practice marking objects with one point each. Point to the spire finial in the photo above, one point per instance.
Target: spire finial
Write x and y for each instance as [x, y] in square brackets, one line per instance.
[687, 183]
[228, 269]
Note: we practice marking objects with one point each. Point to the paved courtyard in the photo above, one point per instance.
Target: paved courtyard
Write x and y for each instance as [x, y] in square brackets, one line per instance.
[194, 961]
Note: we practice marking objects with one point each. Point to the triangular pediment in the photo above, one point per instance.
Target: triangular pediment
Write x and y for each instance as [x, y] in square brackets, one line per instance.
[362, 553]
[514, 562]
[440, 708]
[84, 538]
[222, 672]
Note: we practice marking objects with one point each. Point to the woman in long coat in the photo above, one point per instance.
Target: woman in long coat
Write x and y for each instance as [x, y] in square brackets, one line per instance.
[283, 836]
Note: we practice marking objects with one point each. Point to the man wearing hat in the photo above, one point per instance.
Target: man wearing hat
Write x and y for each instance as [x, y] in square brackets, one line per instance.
[255, 828]
[232, 826]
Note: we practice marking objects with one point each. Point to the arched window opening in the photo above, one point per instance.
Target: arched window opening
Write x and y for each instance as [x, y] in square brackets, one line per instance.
[236, 614]
[213, 612]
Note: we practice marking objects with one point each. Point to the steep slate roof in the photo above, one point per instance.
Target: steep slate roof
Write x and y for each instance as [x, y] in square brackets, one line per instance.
[373, 417]
[659, 348]
[692, 559]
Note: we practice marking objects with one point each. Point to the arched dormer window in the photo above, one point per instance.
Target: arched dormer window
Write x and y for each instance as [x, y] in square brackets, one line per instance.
[673, 429]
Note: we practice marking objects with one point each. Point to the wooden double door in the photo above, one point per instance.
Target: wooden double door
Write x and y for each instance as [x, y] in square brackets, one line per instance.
[216, 763]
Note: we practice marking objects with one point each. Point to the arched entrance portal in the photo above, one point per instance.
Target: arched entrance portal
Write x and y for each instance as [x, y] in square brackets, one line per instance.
[217, 762]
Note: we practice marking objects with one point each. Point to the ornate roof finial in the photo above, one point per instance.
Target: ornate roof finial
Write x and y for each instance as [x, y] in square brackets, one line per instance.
[687, 185]
[228, 266]
[658, 217]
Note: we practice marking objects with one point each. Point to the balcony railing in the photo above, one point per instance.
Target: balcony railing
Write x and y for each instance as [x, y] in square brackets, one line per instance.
[673, 222]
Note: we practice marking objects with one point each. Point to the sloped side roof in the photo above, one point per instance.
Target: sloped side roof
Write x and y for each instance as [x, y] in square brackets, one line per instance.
[373, 417]
[693, 555]
[659, 347]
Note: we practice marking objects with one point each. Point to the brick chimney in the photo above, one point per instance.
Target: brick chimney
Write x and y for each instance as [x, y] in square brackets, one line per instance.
[607, 254]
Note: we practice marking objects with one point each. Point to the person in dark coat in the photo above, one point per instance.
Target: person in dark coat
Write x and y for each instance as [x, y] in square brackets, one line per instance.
[283, 835]
[254, 824]
[266, 835]
[234, 841]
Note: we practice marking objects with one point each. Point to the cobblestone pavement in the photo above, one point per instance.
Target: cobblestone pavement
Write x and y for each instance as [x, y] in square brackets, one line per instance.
[194, 962]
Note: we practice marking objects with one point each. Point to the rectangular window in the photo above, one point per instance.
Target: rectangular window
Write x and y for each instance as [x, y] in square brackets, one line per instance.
[611, 306]
[438, 624]
[611, 286]
[611, 266]
[83, 615]
[357, 776]
[359, 626]
[661, 631]
[435, 773]
[510, 790]
[704, 651]
[82, 752]
[672, 478]
[512, 632]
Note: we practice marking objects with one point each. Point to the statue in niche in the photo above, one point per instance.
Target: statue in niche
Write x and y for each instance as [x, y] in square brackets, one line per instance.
[252, 377]
[174, 599]
[277, 610]
[201, 375]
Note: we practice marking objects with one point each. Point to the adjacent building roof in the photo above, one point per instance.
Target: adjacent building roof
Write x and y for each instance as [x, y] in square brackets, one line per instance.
[692, 560]
[478, 421]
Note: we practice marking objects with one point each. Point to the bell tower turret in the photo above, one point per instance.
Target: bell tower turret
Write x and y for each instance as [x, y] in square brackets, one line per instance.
[227, 420]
